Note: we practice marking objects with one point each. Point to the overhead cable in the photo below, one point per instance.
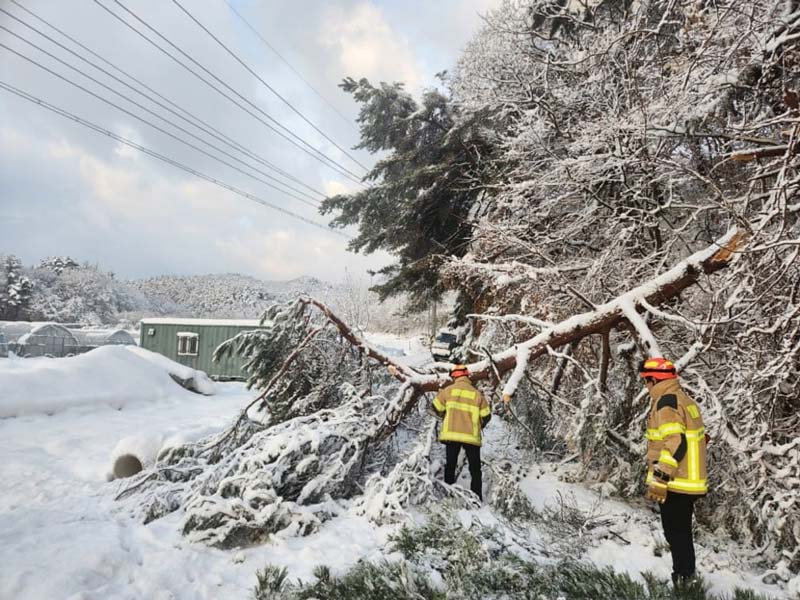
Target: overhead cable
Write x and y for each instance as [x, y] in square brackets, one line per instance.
[72, 117]
[192, 118]
[288, 64]
[149, 123]
[267, 85]
[276, 128]
[310, 200]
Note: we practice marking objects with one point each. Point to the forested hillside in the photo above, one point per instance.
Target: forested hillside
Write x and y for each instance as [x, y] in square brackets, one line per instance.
[600, 181]
[63, 290]
[225, 296]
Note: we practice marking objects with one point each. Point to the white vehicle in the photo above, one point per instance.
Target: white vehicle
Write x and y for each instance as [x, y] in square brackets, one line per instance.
[446, 341]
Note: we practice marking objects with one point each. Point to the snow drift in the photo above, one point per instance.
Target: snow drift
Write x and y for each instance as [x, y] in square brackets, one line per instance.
[114, 376]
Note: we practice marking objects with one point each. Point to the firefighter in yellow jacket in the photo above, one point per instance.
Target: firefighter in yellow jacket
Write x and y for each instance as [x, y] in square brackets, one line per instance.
[466, 413]
[676, 461]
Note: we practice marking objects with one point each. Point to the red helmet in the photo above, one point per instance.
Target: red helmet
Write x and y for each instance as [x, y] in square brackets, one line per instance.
[657, 368]
[457, 371]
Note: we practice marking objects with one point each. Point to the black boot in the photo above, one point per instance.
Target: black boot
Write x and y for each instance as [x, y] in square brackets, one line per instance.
[686, 583]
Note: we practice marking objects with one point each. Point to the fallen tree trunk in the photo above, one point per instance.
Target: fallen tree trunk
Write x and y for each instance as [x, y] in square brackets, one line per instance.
[611, 315]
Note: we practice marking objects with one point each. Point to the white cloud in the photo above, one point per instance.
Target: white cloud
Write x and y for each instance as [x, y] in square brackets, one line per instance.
[286, 253]
[332, 188]
[367, 46]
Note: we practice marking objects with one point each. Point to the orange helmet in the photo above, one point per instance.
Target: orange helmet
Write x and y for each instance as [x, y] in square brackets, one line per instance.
[457, 371]
[657, 368]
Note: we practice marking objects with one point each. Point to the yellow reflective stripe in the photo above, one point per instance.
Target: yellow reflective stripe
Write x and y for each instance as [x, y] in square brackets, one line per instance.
[657, 483]
[470, 408]
[692, 410]
[438, 404]
[680, 485]
[686, 485]
[696, 434]
[485, 411]
[667, 458]
[459, 393]
[671, 429]
[454, 436]
[652, 434]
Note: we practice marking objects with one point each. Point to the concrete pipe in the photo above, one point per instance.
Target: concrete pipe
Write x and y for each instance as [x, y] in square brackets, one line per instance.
[125, 466]
[134, 453]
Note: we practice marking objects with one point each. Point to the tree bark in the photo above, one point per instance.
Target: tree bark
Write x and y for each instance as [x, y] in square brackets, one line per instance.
[604, 318]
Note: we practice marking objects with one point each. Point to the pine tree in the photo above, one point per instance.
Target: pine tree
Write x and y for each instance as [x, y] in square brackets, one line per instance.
[16, 290]
[422, 194]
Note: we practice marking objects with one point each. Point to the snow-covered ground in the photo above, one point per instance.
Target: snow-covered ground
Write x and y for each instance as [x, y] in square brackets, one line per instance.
[112, 376]
[62, 536]
[410, 351]
[630, 537]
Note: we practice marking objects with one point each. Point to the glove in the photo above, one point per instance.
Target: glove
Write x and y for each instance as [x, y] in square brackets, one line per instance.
[657, 488]
[506, 399]
[656, 491]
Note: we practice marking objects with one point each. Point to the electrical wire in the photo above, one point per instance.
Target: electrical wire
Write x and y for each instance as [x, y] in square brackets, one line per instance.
[267, 85]
[288, 64]
[305, 147]
[203, 126]
[145, 121]
[309, 200]
[72, 117]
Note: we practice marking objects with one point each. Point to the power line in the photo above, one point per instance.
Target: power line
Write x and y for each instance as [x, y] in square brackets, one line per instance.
[204, 126]
[310, 150]
[72, 117]
[310, 201]
[266, 85]
[143, 120]
[288, 64]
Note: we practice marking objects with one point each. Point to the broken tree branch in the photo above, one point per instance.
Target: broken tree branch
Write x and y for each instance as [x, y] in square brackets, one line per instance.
[605, 317]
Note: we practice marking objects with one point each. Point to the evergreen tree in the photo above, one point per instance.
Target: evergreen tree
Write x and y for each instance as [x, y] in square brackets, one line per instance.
[58, 264]
[422, 194]
[15, 290]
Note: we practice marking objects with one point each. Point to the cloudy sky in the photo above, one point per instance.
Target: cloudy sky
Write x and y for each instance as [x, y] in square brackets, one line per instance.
[67, 190]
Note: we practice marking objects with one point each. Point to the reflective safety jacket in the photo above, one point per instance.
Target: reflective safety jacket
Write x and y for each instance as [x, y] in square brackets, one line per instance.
[465, 412]
[676, 443]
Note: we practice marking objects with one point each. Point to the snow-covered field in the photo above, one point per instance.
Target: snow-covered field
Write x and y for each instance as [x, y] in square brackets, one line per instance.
[62, 536]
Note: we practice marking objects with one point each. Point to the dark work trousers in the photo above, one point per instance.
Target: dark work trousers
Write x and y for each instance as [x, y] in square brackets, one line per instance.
[474, 460]
[676, 517]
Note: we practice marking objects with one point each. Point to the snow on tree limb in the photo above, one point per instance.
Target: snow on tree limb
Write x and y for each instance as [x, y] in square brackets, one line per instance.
[611, 314]
[606, 317]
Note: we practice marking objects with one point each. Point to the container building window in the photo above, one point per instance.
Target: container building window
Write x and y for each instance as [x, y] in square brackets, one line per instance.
[187, 344]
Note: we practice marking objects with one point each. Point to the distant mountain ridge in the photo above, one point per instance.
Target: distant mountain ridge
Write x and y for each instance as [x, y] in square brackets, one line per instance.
[62, 290]
[228, 295]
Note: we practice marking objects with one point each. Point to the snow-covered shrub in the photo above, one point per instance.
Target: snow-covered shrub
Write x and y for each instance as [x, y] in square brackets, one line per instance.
[304, 444]
[443, 559]
[507, 497]
[411, 482]
[319, 363]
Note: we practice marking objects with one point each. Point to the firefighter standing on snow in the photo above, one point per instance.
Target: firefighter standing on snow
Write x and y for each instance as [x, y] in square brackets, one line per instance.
[466, 413]
[676, 461]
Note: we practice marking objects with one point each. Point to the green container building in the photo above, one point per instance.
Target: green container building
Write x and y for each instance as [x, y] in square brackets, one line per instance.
[192, 342]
